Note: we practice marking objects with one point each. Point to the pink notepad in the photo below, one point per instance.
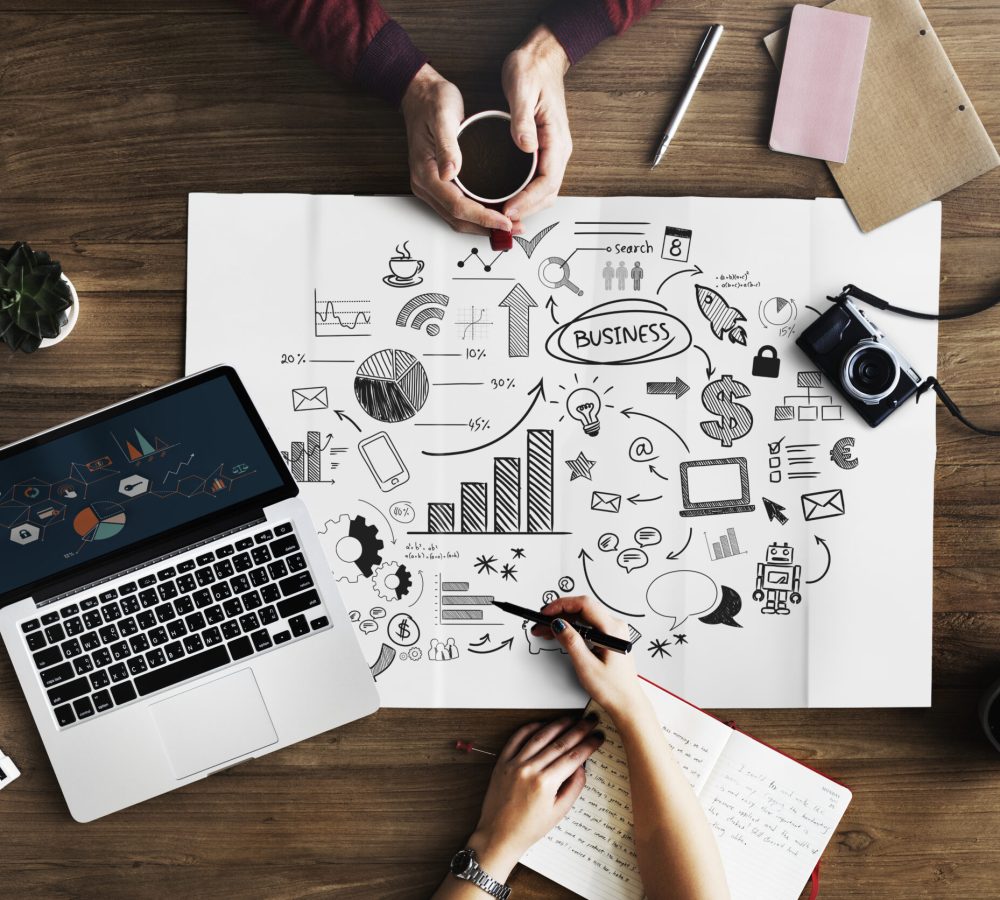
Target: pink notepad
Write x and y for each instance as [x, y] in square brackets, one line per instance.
[819, 85]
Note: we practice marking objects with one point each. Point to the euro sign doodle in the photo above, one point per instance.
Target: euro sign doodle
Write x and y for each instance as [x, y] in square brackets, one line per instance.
[736, 420]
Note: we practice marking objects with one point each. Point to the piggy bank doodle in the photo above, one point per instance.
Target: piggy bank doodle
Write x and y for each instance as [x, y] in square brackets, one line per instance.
[536, 644]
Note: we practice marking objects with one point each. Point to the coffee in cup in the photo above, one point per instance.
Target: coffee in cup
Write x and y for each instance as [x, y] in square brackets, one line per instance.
[405, 268]
[494, 168]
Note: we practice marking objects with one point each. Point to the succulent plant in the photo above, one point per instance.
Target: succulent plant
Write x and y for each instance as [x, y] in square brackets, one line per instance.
[34, 298]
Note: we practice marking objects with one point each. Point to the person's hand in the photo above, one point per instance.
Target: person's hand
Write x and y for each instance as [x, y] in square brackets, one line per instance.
[433, 109]
[607, 676]
[537, 778]
[533, 83]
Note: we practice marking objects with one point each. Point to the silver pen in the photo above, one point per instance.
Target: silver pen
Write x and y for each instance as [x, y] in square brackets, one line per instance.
[705, 51]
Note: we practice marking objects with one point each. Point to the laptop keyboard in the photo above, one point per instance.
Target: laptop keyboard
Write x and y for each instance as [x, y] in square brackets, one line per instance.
[144, 635]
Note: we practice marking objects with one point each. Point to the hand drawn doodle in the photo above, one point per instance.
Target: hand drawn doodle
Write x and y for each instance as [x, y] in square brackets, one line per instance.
[473, 324]
[368, 626]
[549, 597]
[341, 318]
[529, 245]
[676, 244]
[505, 645]
[566, 584]
[637, 273]
[631, 559]
[642, 450]
[682, 638]
[674, 554]
[385, 658]
[725, 613]
[403, 512]
[392, 581]
[775, 511]
[354, 615]
[777, 580]
[722, 317]
[774, 460]
[766, 363]
[625, 332]
[442, 651]
[613, 228]
[603, 501]
[421, 310]
[608, 542]
[537, 644]
[376, 612]
[584, 405]
[829, 561]
[459, 606]
[311, 461]
[648, 536]
[554, 273]
[778, 313]
[485, 564]
[474, 255]
[799, 455]
[658, 648]
[415, 654]
[518, 304]
[726, 547]
[383, 461]
[680, 594]
[508, 572]
[813, 407]
[842, 454]
[584, 558]
[404, 270]
[633, 633]
[518, 552]
[735, 420]
[715, 486]
[391, 386]
[403, 630]
[310, 399]
[823, 505]
[676, 388]
[355, 543]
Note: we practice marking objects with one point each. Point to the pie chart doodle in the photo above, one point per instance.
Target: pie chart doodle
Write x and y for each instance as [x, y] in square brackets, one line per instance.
[391, 386]
[99, 521]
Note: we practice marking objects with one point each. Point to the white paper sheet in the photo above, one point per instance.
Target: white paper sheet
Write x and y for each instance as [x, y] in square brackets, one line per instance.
[437, 364]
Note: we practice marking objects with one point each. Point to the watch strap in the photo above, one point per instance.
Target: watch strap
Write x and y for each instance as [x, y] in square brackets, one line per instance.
[489, 884]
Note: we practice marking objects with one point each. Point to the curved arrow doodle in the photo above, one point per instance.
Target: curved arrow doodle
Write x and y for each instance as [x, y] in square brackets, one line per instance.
[628, 412]
[652, 469]
[635, 498]
[344, 417]
[695, 271]
[551, 305]
[485, 639]
[538, 390]
[674, 554]
[710, 370]
[385, 519]
[829, 559]
[583, 556]
[507, 643]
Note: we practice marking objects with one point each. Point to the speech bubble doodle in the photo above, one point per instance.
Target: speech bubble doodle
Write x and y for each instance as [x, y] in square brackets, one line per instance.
[354, 615]
[677, 595]
[368, 626]
[632, 559]
[566, 584]
[727, 610]
[403, 512]
[623, 332]
[642, 450]
[376, 612]
[607, 542]
[648, 536]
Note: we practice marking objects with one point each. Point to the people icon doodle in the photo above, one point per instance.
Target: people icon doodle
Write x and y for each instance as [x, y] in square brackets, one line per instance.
[442, 652]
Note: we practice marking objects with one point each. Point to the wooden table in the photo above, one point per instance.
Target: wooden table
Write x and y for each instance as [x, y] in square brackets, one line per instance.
[112, 111]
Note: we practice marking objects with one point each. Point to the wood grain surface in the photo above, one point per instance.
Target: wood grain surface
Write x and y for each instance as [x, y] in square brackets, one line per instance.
[111, 111]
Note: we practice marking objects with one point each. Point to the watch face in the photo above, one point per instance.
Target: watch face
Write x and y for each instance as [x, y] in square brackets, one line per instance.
[461, 861]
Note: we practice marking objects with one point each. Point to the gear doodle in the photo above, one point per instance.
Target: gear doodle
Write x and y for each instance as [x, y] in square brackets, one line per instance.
[357, 544]
[392, 581]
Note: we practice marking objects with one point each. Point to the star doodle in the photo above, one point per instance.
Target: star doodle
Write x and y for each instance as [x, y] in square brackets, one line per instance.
[484, 564]
[580, 467]
[518, 552]
[658, 648]
[680, 638]
[508, 573]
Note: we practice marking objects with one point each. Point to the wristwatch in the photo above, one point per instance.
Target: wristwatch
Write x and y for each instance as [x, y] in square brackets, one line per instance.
[465, 865]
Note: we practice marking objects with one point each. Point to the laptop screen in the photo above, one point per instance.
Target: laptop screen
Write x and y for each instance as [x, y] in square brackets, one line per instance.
[715, 482]
[149, 467]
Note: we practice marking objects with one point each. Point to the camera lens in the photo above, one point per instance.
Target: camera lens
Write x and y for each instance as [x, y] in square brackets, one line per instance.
[870, 371]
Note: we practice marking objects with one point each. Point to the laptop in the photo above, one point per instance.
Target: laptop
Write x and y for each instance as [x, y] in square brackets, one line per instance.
[163, 597]
[712, 487]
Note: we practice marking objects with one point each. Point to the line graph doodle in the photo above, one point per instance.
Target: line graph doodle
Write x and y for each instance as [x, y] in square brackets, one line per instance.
[177, 471]
[474, 323]
[341, 318]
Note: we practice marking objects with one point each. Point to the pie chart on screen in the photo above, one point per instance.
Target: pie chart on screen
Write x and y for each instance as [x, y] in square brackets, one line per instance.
[391, 385]
[99, 521]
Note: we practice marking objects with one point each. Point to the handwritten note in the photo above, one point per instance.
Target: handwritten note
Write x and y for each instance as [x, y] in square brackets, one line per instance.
[771, 816]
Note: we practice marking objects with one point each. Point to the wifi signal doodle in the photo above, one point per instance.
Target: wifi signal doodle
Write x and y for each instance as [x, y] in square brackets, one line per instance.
[420, 310]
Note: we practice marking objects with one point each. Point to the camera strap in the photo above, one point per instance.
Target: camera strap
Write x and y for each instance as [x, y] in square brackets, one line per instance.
[930, 383]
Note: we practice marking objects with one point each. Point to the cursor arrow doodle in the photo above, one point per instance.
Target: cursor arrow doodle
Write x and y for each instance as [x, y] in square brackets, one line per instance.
[829, 559]
[775, 511]
[518, 304]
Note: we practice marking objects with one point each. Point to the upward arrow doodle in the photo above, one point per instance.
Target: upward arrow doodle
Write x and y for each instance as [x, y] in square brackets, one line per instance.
[518, 304]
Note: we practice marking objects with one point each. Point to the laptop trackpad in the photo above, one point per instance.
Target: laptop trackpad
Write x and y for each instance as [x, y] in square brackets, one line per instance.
[212, 724]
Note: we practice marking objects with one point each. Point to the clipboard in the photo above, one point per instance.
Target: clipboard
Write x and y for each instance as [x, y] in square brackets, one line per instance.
[916, 133]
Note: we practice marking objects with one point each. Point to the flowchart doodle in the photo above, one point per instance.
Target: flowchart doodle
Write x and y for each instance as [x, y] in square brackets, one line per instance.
[615, 407]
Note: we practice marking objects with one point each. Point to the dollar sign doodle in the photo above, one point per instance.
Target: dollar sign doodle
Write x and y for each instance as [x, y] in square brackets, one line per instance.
[718, 398]
[403, 630]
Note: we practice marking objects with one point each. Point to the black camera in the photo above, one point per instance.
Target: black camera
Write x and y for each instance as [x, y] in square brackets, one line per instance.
[871, 374]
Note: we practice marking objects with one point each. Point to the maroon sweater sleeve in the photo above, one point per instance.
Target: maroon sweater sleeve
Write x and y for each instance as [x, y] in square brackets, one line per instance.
[355, 39]
[580, 25]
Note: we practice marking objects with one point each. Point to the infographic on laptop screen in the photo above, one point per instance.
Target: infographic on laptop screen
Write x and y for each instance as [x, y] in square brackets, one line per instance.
[125, 479]
[615, 407]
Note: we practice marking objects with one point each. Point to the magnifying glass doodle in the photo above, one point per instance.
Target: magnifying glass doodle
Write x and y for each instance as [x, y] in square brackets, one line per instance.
[561, 279]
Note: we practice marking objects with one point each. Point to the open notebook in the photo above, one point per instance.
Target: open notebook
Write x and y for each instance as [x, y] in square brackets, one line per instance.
[772, 816]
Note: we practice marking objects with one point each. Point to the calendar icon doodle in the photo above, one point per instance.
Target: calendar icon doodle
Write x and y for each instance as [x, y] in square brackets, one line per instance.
[676, 244]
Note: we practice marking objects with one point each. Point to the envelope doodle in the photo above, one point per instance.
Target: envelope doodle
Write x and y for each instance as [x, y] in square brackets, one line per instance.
[601, 501]
[823, 505]
[309, 399]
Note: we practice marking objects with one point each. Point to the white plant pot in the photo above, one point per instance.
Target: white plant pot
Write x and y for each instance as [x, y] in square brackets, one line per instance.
[72, 314]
